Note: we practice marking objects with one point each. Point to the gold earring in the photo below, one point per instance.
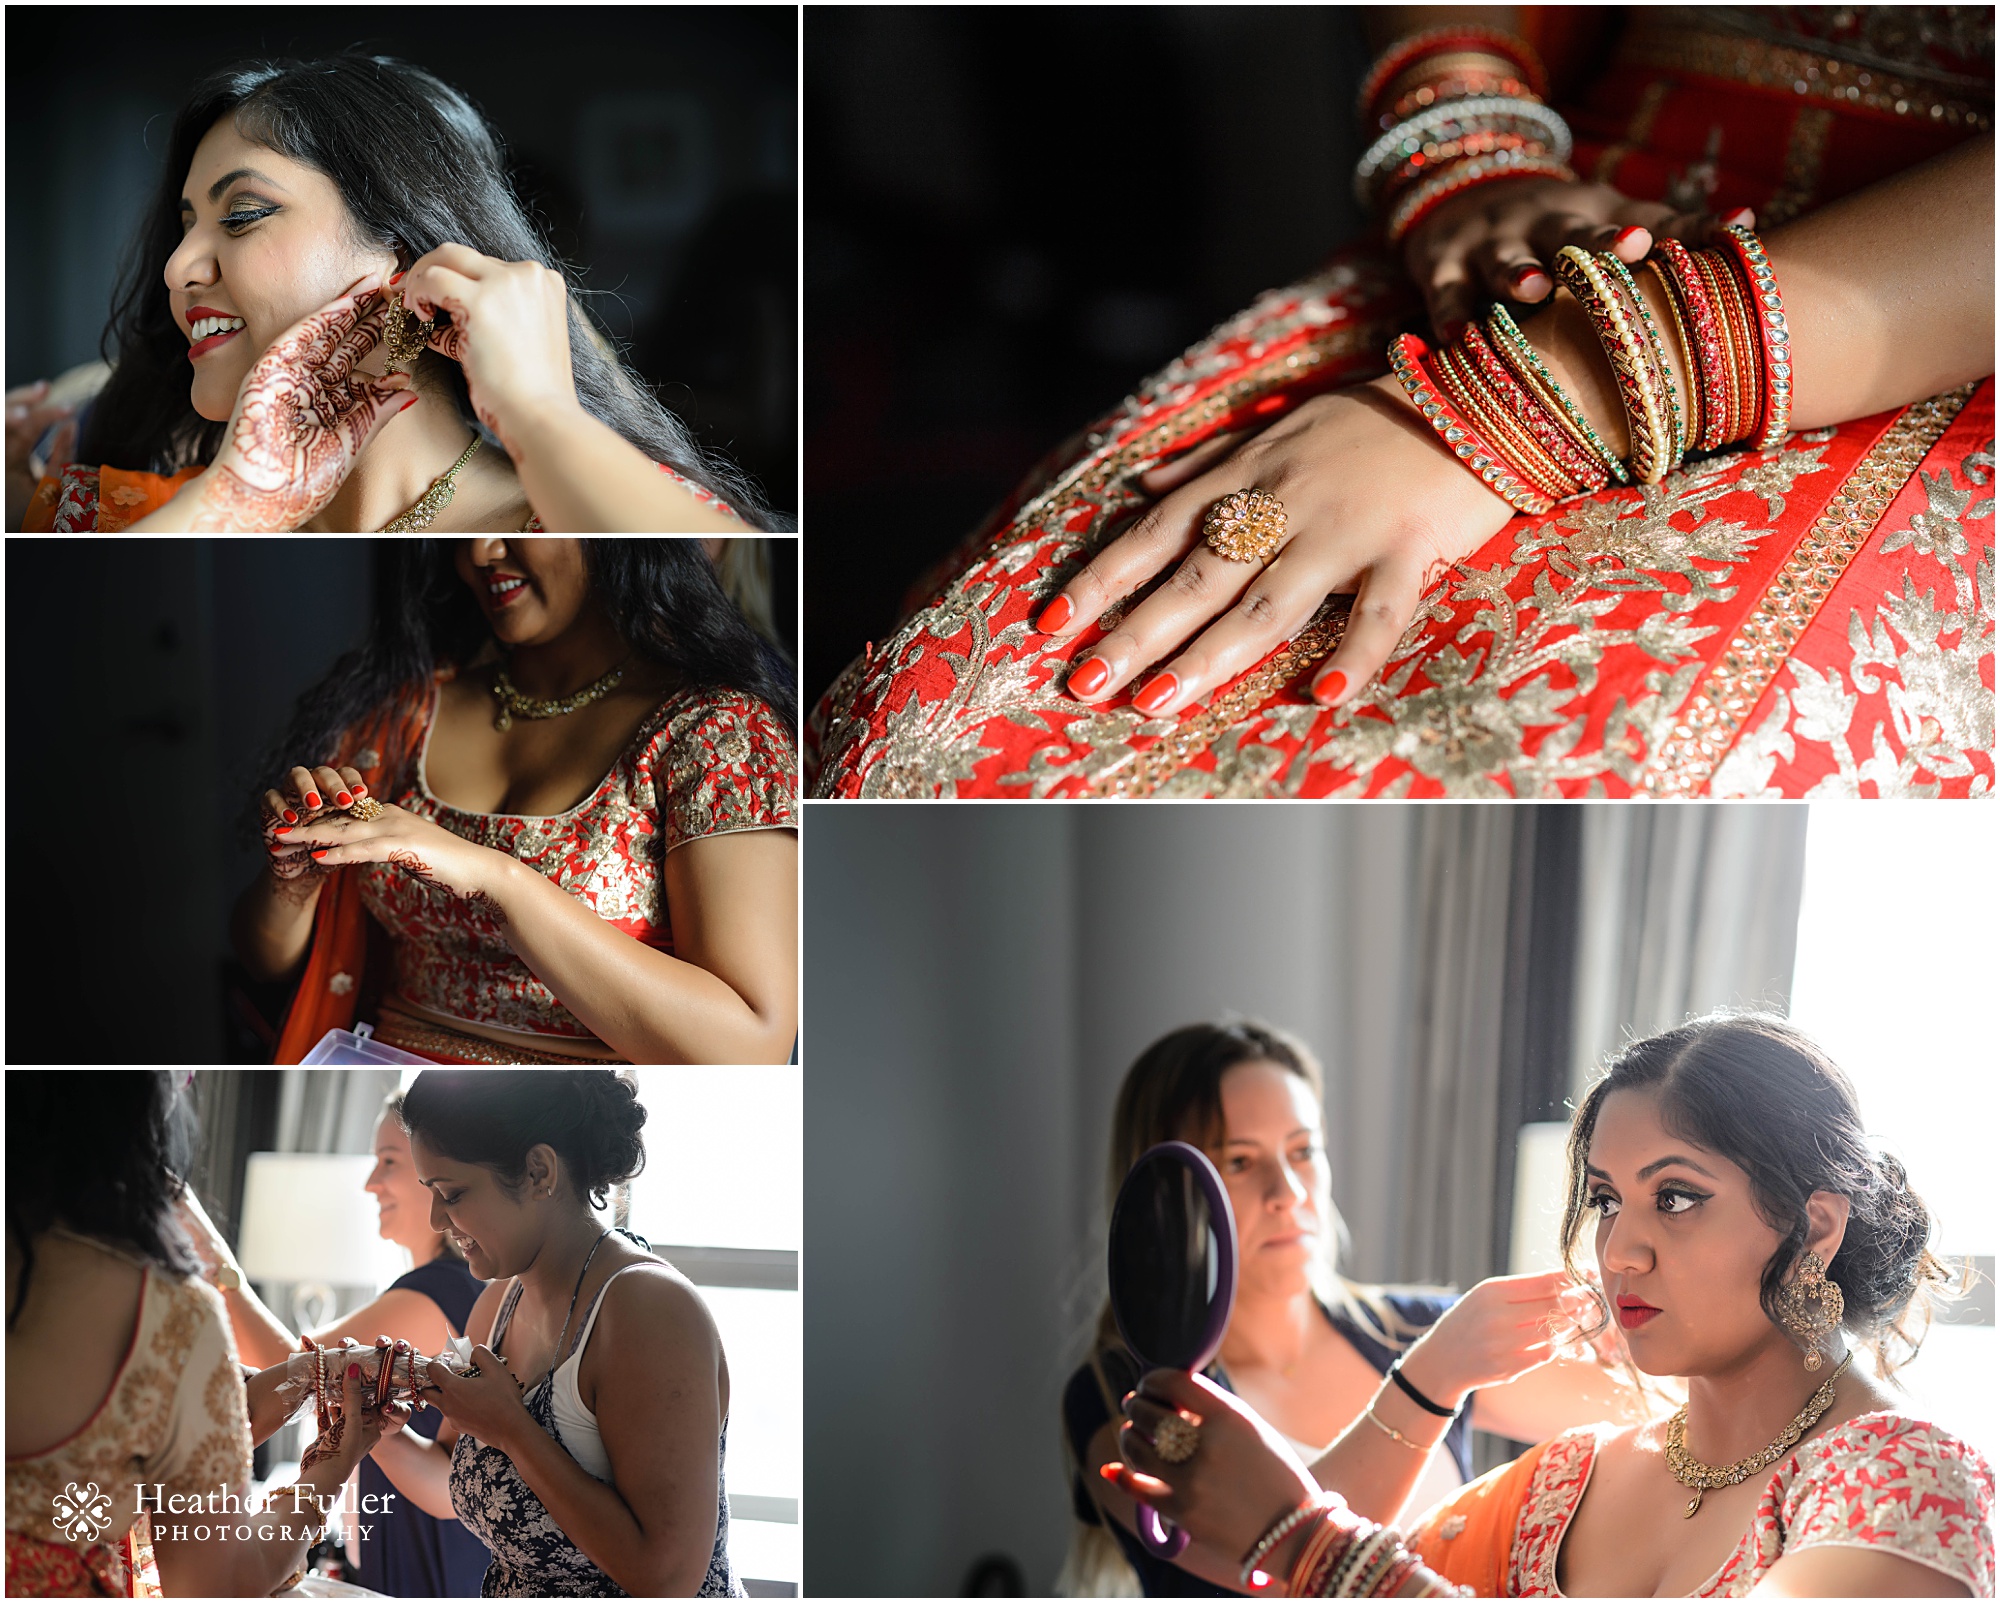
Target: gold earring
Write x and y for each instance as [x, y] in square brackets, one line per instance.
[403, 343]
[1811, 1306]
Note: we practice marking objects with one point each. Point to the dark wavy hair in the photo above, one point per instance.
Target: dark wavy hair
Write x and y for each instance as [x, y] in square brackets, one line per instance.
[418, 167]
[491, 1117]
[119, 1186]
[661, 594]
[1759, 1091]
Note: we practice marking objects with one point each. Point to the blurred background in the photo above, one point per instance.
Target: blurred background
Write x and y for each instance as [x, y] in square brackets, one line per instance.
[147, 678]
[979, 980]
[657, 145]
[283, 1155]
[1015, 213]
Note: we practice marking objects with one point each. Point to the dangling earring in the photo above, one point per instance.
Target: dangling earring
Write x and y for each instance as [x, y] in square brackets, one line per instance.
[1811, 1306]
[403, 343]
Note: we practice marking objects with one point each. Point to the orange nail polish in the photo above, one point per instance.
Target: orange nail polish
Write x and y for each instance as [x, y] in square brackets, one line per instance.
[1110, 1471]
[1156, 695]
[1330, 687]
[1056, 615]
[345, 798]
[1627, 234]
[312, 798]
[1090, 678]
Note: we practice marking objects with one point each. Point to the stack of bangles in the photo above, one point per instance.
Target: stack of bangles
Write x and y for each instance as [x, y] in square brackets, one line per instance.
[1454, 108]
[1345, 1555]
[1498, 409]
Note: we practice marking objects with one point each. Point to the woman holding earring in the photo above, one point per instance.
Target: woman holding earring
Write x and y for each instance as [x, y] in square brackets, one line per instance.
[1749, 1236]
[294, 197]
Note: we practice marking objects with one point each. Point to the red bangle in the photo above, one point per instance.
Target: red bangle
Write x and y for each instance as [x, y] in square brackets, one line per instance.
[1701, 336]
[1460, 379]
[1449, 182]
[1405, 53]
[1406, 360]
[1585, 471]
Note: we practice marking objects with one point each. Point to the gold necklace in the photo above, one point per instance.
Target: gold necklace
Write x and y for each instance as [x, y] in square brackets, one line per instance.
[1691, 1471]
[434, 500]
[515, 705]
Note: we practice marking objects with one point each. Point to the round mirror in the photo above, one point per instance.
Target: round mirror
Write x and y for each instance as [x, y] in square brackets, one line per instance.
[1173, 1276]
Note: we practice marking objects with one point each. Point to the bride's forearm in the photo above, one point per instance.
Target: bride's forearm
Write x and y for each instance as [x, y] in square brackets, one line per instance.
[271, 924]
[651, 1007]
[1888, 299]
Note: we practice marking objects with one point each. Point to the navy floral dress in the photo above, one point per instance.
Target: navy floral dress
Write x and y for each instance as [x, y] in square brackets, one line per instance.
[532, 1557]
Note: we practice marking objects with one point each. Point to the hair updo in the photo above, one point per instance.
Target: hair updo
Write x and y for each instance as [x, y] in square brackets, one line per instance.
[491, 1117]
[1760, 1092]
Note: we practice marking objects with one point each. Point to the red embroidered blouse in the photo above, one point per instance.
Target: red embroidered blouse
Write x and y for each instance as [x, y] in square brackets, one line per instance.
[1879, 1481]
[705, 762]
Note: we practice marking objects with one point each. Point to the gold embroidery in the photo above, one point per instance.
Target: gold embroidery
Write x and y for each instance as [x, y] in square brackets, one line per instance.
[1810, 74]
[1805, 153]
[1194, 735]
[426, 1038]
[1681, 764]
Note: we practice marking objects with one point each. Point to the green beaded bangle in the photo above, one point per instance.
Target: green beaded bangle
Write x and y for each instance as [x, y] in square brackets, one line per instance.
[1659, 347]
[1504, 332]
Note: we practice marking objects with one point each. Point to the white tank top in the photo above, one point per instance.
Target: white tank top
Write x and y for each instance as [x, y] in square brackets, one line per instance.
[576, 1425]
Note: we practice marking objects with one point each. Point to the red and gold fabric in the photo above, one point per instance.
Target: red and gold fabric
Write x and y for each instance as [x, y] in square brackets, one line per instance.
[1882, 1482]
[80, 499]
[175, 1418]
[1811, 619]
[704, 763]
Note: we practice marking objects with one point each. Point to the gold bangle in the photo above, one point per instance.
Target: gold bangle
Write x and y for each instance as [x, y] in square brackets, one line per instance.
[1396, 1435]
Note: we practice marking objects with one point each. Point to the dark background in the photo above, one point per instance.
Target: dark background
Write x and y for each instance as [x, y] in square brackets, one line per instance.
[657, 146]
[146, 679]
[1016, 213]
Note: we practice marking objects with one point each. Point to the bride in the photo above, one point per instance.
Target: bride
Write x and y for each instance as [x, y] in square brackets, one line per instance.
[1749, 1239]
[310, 215]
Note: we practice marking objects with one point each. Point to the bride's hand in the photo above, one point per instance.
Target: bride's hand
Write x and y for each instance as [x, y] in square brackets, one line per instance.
[487, 1405]
[1373, 505]
[314, 793]
[446, 862]
[303, 416]
[509, 330]
[1495, 242]
[1241, 1480]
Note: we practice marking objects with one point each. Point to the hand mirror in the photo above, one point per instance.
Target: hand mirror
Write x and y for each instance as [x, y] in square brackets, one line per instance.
[1173, 1277]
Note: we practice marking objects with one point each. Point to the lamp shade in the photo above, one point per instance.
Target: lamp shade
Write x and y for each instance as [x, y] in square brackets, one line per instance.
[1541, 1171]
[306, 1218]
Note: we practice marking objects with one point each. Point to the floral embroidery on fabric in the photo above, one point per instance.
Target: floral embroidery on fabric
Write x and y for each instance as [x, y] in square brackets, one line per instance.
[704, 763]
[76, 500]
[1879, 1481]
[175, 1415]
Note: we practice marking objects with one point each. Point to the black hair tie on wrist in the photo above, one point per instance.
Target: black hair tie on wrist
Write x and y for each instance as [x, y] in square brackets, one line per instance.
[1403, 1382]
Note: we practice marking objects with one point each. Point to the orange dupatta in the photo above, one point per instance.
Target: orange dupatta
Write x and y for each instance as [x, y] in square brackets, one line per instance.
[330, 989]
[1469, 1537]
[123, 498]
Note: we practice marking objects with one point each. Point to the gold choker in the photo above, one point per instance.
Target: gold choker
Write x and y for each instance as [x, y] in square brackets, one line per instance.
[1691, 1471]
[515, 705]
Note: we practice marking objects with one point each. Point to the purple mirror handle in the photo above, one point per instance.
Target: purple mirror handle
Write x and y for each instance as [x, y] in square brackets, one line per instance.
[1158, 1535]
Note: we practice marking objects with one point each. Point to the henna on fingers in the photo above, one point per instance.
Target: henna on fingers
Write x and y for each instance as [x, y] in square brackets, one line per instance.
[413, 865]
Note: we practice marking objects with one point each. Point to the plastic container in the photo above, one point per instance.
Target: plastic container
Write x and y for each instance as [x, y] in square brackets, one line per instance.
[358, 1045]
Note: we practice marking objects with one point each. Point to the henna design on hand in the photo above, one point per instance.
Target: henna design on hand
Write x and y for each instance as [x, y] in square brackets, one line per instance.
[301, 419]
[1437, 568]
[486, 904]
[413, 865]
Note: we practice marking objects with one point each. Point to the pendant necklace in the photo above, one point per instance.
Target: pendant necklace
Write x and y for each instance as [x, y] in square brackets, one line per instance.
[515, 705]
[424, 510]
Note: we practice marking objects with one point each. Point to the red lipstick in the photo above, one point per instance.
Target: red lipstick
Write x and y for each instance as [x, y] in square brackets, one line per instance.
[1632, 1313]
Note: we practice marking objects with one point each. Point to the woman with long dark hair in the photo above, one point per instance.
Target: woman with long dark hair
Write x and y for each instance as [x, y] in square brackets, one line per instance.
[587, 1449]
[544, 815]
[1751, 1243]
[309, 215]
[123, 1393]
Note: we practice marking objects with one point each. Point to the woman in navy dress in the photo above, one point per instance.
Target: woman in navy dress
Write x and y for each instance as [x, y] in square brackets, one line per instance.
[404, 1552]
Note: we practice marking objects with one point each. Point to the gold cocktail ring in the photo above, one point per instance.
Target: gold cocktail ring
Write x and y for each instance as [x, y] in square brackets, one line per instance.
[1245, 526]
[364, 809]
[1175, 1440]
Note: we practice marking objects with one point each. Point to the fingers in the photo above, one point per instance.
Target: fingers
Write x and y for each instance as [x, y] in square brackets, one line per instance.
[1280, 599]
[1171, 475]
[329, 787]
[1165, 532]
[430, 287]
[1509, 270]
[1204, 585]
[1383, 608]
[305, 787]
[1176, 1388]
[1452, 296]
[352, 784]
[1146, 1488]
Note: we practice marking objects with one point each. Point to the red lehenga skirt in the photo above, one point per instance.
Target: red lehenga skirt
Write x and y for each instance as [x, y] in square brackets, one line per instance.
[1816, 619]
